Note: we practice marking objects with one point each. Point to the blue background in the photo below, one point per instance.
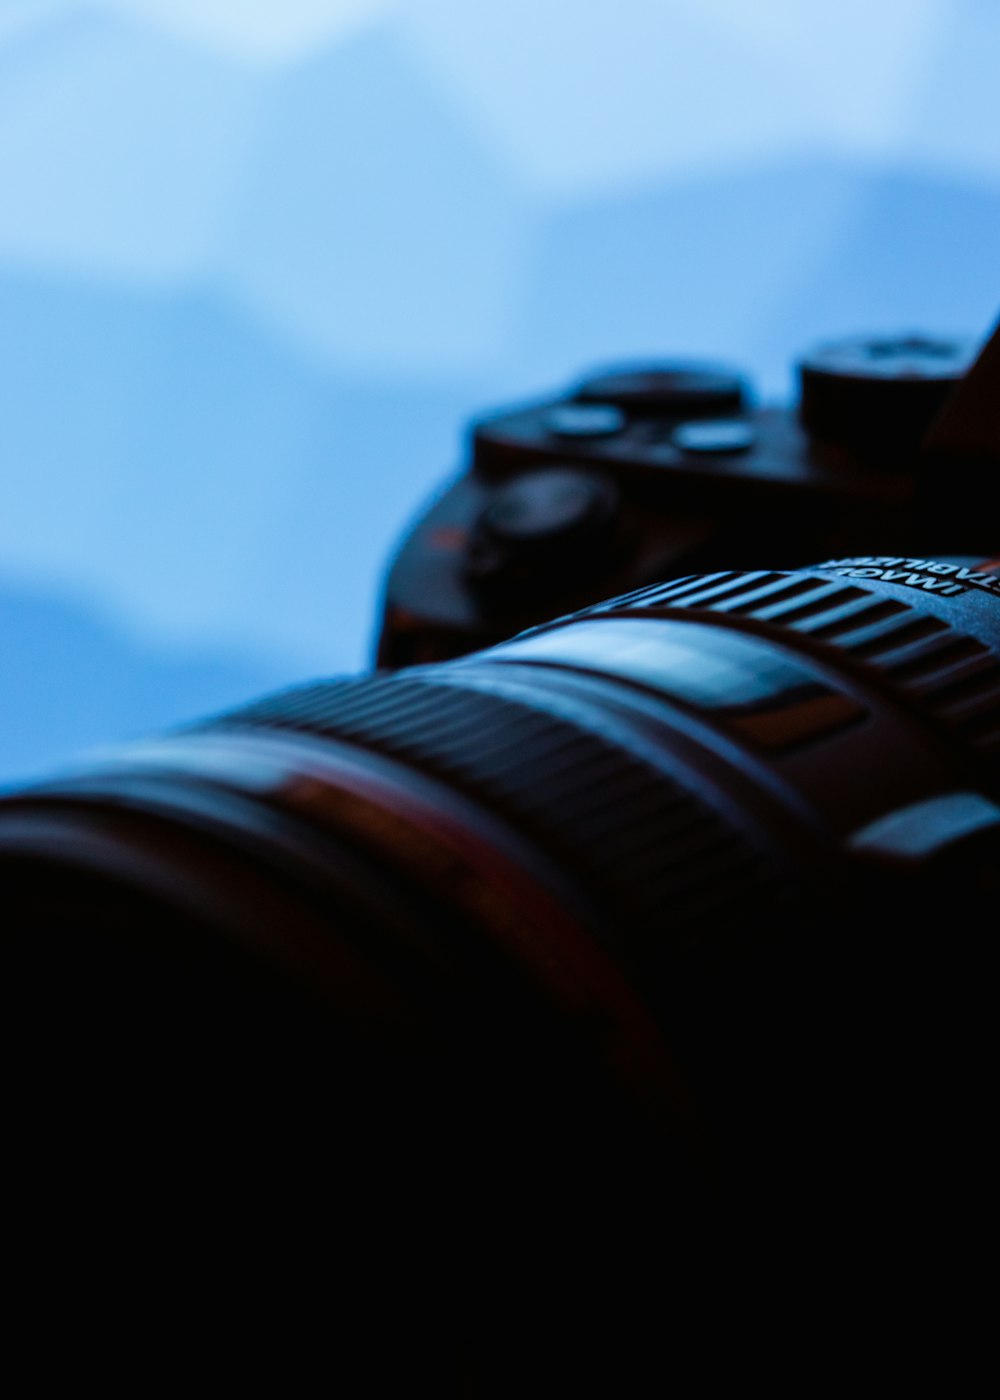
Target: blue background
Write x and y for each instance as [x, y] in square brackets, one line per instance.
[259, 262]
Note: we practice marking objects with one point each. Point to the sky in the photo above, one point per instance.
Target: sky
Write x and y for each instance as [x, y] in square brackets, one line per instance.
[260, 263]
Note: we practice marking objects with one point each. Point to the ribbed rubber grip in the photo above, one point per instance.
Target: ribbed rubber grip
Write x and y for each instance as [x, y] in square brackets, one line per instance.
[656, 856]
[933, 666]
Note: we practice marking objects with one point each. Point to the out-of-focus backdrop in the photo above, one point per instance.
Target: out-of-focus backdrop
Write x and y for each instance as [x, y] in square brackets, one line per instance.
[261, 259]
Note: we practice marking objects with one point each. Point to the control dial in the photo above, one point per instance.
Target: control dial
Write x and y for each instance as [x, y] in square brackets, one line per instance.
[879, 395]
[544, 530]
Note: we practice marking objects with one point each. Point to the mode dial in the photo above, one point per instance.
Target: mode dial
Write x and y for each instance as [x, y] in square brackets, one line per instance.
[879, 395]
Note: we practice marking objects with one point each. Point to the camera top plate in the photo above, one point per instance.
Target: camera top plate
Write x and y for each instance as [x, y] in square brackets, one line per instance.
[640, 471]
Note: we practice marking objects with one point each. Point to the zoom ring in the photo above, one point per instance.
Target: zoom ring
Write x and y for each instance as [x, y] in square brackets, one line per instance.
[655, 857]
[937, 669]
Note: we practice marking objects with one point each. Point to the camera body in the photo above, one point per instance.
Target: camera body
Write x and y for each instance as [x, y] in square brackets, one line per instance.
[658, 935]
[639, 473]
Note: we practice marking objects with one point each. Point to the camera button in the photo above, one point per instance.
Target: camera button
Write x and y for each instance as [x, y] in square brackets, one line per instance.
[672, 390]
[584, 420]
[542, 531]
[555, 503]
[714, 435]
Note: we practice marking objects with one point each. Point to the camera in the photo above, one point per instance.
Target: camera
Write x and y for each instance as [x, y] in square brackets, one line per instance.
[644, 944]
[643, 472]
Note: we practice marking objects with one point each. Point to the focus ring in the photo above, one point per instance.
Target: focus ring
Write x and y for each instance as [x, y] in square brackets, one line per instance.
[655, 856]
[945, 673]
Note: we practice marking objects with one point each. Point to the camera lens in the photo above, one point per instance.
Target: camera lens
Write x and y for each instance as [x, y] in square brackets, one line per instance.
[575, 814]
[687, 893]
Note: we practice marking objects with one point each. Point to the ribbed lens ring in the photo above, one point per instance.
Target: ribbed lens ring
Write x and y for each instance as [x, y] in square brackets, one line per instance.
[658, 857]
[909, 630]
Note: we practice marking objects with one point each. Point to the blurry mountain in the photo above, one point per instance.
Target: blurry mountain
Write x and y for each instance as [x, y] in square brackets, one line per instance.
[166, 457]
[210, 481]
[72, 681]
[762, 262]
[582, 99]
[249, 298]
[375, 225]
[119, 148]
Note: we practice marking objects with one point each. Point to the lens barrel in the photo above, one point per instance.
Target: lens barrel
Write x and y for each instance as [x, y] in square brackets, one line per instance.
[675, 769]
[677, 900]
